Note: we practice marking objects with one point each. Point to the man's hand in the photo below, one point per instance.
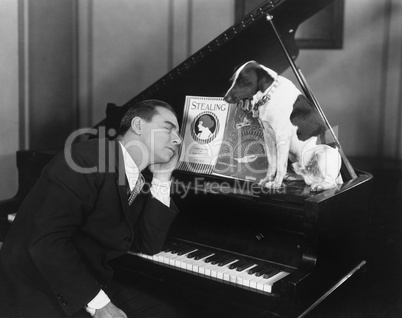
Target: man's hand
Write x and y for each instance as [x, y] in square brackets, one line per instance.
[163, 171]
[109, 311]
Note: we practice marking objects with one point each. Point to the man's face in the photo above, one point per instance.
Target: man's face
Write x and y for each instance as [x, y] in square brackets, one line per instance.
[161, 136]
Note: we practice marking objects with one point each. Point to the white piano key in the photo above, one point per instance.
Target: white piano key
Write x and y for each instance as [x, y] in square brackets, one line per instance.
[222, 269]
[215, 269]
[192, 263]
[245, 276]
[162, 257]
[180, 261]
[235, 276]
[225, 269]
[166, 257]
[202, 267]
[230, 275]
[253, 282]
[187, 262]
[209, 268]
[267, 285]
[223, 273]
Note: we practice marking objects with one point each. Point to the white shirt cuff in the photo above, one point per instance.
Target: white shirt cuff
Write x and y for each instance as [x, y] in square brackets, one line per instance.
[100, 301]
[161, 191]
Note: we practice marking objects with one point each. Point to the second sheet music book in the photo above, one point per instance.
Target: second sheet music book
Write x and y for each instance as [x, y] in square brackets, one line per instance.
[220, 139]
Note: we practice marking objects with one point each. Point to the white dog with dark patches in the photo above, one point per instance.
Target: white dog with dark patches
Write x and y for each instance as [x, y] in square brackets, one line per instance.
[293, 128]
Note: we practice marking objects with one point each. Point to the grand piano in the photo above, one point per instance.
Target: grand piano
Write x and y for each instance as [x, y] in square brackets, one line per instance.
[266, 253]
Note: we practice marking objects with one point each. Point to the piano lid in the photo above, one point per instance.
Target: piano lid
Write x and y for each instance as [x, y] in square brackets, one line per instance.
[207, 72]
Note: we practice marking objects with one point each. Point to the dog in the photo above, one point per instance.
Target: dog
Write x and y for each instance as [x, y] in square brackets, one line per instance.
[293, 128]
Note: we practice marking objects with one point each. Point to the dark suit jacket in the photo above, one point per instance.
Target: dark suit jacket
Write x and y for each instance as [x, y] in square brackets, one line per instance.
[71, 224]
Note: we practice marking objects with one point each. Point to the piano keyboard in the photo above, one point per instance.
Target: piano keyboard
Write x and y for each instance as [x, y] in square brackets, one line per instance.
[218, 266]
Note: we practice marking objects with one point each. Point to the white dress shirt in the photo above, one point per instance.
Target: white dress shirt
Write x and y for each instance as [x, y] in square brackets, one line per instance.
[159, 190]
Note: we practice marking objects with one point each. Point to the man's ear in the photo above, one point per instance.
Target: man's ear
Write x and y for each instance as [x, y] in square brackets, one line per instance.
[136, 125]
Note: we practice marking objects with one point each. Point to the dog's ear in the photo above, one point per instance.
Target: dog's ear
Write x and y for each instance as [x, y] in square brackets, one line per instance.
[264, 79]
[240, 65]
[236, 68]
[234, 72]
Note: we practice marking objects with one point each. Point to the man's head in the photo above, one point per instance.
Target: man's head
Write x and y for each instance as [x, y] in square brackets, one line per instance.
[150, 132]
[145, 110]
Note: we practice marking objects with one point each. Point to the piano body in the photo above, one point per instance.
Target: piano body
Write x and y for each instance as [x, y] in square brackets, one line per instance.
[274, 253]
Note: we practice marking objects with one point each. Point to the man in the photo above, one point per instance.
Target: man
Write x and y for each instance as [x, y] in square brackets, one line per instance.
[78, 217]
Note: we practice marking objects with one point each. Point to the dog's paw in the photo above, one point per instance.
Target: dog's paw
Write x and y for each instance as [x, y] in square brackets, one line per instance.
[270, 184]
[321, 186]
[273, 185]
[265, 180]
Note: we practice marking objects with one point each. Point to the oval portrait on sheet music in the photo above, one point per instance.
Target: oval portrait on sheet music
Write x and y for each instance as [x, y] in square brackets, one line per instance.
[205, 127]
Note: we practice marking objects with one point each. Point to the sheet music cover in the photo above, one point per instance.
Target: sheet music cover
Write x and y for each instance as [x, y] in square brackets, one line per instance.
[242, 154]
[220, 139]
[204, 123]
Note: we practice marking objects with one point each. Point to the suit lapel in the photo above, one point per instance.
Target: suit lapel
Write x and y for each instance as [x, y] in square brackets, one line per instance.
[121, 179]
[131, 212]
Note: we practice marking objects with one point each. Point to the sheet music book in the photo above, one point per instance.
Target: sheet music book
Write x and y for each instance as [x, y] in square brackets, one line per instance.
[242, 154]
[204, 123]
[220, 139]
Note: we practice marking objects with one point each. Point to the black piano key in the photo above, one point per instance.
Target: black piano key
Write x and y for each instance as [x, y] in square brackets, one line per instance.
[245, 266]
[186, 250]
[169, 246]
[212, 258]
[180, 248]
[256, 269]
[172, 249]
[195, 253]
[271, 273]
[237, 264]
[202, 255]
[220, 259]
[227, 261]
[266, 269]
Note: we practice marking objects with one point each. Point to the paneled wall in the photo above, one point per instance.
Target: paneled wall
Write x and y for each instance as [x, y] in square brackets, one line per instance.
[38, 80]
[359, 87]
[50, 72]
[9, 97]
[127, 45]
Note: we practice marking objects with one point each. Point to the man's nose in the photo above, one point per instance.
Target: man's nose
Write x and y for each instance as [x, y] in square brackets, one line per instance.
[177, 139]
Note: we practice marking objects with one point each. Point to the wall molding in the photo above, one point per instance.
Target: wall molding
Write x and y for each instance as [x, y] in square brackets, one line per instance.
[23, 73]
[85, 62]
[390, 99]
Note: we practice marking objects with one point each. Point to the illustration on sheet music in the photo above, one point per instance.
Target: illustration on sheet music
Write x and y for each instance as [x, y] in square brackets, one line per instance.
[220, 139]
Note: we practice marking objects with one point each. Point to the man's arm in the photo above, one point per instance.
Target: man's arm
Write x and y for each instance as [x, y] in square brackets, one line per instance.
[161, 191]
[100, 301]
[69, 197]
[158, 211]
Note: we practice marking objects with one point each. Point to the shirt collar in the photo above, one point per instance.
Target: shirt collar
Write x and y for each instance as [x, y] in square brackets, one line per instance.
[130, 167]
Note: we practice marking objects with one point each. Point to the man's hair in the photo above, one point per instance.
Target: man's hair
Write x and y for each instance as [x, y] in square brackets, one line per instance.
[146, 110]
